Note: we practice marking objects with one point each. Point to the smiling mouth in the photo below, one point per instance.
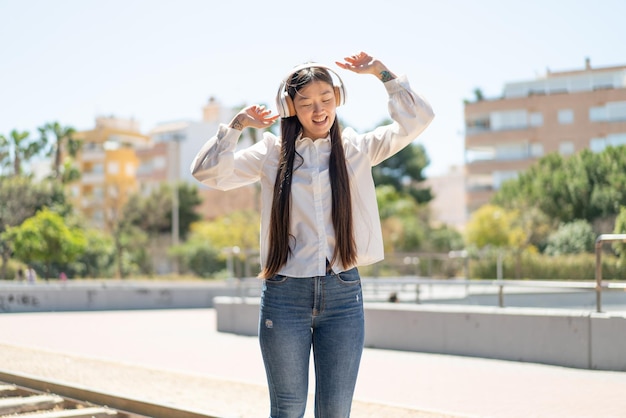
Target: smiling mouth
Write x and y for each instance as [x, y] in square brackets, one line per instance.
[320, 121]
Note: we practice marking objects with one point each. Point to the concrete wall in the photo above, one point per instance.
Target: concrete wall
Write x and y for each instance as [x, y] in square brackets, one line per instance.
[110, 295]
[579, 339]
[572, 338]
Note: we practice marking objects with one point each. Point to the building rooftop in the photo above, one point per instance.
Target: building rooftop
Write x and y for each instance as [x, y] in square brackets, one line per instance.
[570, 81]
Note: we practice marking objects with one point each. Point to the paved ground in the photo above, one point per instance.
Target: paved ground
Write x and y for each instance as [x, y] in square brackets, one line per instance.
[177, 357]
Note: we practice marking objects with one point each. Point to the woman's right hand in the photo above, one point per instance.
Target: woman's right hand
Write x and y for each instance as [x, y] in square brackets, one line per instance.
[254, 116]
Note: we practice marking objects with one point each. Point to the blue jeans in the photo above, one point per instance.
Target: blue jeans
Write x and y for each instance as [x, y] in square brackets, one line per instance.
[326, 313]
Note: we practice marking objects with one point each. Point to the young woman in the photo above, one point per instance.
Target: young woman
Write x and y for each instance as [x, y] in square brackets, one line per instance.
[319, 221]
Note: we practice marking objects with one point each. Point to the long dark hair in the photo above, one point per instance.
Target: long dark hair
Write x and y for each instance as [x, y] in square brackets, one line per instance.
[280, 218]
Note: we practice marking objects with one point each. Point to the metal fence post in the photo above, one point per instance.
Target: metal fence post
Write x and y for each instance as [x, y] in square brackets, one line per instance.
[599, 241]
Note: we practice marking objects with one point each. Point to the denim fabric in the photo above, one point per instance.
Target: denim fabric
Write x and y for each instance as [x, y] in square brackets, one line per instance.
[323, 312]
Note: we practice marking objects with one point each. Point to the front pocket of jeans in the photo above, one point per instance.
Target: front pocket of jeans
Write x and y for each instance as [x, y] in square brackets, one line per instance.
[348, 278]
[276, 279]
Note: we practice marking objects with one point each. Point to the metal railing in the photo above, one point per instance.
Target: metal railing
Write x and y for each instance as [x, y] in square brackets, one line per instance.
[396, 284]
[599, 243]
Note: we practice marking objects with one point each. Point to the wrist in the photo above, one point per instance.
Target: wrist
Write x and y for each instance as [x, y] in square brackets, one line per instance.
[237, 123]
[385, 75]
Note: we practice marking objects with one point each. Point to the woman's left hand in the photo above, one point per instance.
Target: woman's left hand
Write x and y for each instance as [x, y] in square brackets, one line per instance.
[361, 63]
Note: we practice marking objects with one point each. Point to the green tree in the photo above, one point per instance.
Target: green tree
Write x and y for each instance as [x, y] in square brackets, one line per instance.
[571, 238]
[61, 144]
[98, 258]
[153, 212]
[20, 199]
[129, 243]
[239, 228]
[45, 238]
[404, 172]
[496, 227]
[17, 149]
[585, 186]
[199, 257]
[404, 222]
[211, 242]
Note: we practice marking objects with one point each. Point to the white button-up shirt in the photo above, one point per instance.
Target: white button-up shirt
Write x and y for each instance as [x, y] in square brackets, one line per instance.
[218, 165]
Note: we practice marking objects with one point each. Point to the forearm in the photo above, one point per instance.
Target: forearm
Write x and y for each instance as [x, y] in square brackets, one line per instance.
[238, 122]
[381, 72]
[215, 157]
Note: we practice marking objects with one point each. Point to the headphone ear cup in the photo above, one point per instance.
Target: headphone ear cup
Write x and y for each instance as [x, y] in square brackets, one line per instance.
[285, 105]
[340, 95]
[290, 109]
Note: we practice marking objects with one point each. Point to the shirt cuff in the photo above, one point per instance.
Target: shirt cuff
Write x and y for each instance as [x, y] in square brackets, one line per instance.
[397, 84]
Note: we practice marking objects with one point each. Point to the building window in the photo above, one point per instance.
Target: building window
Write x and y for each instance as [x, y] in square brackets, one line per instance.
[597, 144]
[612, 140]
[130, 169]
[500, 177]
[98, 193]
[113, 167]
[511, 119]
[611, 112]
[536, 150]
[479, 182]
[616, 140]
[598, 114]
[158, 163]
[566, 148]
[616, 111]
[535, 119]
[97, 168]
[476, 124]
[566, 116]
[512, 152]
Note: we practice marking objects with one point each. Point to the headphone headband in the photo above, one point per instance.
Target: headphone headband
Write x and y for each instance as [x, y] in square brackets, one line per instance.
[285, 104]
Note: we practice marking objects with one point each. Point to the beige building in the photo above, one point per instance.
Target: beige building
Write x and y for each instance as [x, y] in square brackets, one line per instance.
[448, 204]
[564, 112]
[117, 160]
[108, 164]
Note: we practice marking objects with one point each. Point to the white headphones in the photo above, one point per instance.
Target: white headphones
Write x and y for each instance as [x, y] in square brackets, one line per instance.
[285, 104]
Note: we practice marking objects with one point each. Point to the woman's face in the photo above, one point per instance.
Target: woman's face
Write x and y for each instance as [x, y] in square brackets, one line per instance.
[315, 108]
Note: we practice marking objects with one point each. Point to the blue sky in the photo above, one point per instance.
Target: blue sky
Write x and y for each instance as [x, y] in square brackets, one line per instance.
[155, 61]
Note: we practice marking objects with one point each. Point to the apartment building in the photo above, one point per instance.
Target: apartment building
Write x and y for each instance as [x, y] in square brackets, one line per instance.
[564, 112]
[108, 164]
[117, 160]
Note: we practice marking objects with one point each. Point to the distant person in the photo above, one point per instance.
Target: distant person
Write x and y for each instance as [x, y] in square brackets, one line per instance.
[31, 275]
[319, 221]
[20, 275]
[63, 276]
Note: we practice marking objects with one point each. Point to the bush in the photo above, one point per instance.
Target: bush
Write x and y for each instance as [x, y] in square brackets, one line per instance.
[571, 238]
[533, 266]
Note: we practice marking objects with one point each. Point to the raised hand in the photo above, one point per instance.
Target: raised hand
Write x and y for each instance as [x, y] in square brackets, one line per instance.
[254, 116]
[363, 63]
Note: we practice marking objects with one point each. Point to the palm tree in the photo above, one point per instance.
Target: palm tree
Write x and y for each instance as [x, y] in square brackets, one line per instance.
[22, 149]
[64, 142]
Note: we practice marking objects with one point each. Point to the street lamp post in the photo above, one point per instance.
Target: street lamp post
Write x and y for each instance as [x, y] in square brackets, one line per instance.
[176, 138]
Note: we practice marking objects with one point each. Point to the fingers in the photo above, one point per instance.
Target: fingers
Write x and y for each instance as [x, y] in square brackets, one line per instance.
[261, 115]
[354, 62]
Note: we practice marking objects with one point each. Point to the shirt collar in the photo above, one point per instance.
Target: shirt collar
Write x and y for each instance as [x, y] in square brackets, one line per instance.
[301, 138]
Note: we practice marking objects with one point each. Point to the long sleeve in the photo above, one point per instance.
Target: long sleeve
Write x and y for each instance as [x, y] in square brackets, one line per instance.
[219, 166]
[411, 114]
